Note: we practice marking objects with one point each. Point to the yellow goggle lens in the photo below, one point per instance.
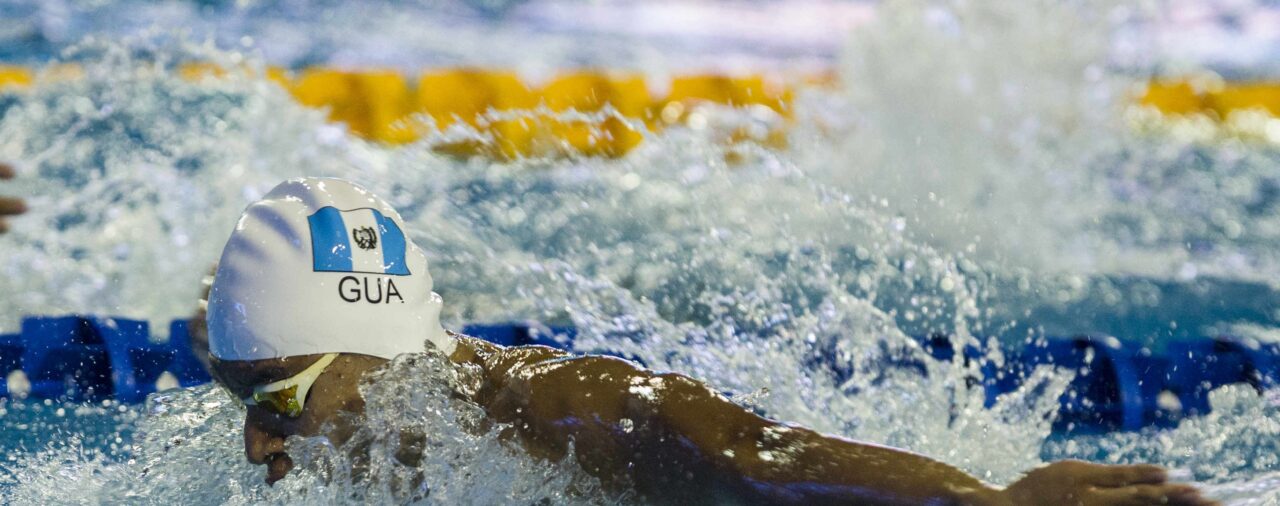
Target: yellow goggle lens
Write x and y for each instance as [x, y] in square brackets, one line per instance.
[285, 397]
[281, 402]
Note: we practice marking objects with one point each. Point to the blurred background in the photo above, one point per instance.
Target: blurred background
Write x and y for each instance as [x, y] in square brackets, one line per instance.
[1233, 38]
[915, 222]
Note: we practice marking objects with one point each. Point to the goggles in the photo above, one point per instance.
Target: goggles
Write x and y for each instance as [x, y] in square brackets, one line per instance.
[288, 396]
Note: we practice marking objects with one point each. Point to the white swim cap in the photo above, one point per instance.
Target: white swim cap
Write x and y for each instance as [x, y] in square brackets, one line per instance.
[321, 265]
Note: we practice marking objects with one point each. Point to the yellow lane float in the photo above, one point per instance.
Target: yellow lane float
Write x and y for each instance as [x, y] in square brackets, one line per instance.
[473, 111]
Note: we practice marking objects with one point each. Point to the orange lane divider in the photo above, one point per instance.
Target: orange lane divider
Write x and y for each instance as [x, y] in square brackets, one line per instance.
[495, 113]
[1173, 97]
[736, 91]
[743, 91]
[593, 93]
[1215, 98]
[1245, 96]
[592, 113]
[14, 77]
[369, 103]
[466, 96]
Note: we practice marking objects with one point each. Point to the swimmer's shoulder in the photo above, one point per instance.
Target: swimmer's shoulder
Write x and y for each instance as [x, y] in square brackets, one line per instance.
[470, 349]
[492, 356]
[495, 358]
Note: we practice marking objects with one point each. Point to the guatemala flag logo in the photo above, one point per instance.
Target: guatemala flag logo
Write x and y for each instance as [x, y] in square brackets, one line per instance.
[359, 240]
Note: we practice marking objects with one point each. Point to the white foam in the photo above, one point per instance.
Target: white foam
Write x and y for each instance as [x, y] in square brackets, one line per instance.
[953, 187]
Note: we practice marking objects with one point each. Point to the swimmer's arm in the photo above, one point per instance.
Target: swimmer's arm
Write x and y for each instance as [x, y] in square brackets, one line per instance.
[547, 387]
[786, 463]
[789, 462]
[792, 462]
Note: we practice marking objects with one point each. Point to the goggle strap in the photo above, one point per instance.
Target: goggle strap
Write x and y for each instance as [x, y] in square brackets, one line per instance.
[302, 380]
[308, 375]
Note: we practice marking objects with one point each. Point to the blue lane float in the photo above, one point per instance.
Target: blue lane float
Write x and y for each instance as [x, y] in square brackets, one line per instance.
[524, 333]
[83, 358]
[184, 365]
[1116, 387]
[1197, 367]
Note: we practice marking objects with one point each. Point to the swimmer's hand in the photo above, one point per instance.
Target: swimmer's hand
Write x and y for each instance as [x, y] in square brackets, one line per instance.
[9, 206]
[278, 465]
[1079, 483]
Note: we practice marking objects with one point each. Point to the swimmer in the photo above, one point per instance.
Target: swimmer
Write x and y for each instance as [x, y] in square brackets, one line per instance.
[319, 285]
[9, 206]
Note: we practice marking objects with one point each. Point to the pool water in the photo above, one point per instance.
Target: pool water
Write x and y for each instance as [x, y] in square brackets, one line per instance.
[977, 174]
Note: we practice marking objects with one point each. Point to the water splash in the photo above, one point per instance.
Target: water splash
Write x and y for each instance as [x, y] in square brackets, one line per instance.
[997, 198]
[134, 177]
[1240, 434]
[199, 431]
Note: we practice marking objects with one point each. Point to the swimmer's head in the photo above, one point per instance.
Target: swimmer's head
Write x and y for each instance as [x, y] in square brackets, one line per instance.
[317, 285]
[319, 266]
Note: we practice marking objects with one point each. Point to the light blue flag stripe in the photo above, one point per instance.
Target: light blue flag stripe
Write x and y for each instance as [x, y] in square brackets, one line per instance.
[393, 246]
[330, 248]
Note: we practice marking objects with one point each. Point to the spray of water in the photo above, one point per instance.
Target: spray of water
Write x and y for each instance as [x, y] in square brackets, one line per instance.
[976, 179]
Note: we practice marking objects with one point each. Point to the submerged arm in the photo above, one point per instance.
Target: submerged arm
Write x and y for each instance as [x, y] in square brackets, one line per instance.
[674, 439]
[793, 463]
[672, 436]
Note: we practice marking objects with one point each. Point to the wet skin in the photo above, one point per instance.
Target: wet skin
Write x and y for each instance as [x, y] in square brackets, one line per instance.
[674, 440]
[668, 437]
[334, 392]
[9, 206]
